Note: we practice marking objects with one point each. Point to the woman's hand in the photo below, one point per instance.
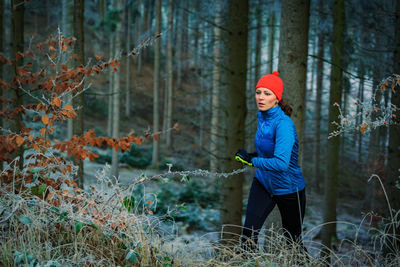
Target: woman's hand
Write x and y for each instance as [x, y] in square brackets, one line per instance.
[244, 157]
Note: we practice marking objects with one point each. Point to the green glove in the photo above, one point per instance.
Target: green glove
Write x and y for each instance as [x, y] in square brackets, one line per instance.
[244, 157]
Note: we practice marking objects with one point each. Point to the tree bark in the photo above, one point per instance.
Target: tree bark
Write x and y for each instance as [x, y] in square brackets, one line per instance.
[318, 103]
[293, 51]
[271, 40]
[79, 49]
[251, 121]
[236, 25]
[329, 229]
[373, 149]
[140, 24]
[128, 64]
[17, 11]
[215, 106]
[201, 71]
[170, 75]
[179, 45]
[68, 31]
[102, 7]
[110, 88]
[360, 98]
[1, 65]
[156, 100]
[116, 91]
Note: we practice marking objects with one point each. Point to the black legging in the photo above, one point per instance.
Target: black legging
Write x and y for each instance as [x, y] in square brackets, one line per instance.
[260, 204]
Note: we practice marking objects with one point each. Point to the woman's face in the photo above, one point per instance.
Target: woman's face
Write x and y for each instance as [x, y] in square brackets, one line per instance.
[265, 99]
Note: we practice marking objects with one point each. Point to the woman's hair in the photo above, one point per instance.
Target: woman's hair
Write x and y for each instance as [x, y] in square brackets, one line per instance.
[286, 107]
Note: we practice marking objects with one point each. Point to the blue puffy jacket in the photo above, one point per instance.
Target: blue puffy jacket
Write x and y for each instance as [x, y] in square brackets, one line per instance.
[277, 148]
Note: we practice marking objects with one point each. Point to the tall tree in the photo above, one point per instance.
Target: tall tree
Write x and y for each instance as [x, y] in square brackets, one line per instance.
[373, 154]
[331, 184]
[79, 49]
[116, 88]
[394, 131]
[67, 30]
[236, 25]
[216, 86]
[139, 24]
[110, 86]
[251, 121]
[271, 38]
[360, 96]
[293, 52]
[259, 19]
[179, 39]
[170, 73]
[128, 63]
[1, 65]
[17, 11]
[318, 102]
[156, 100]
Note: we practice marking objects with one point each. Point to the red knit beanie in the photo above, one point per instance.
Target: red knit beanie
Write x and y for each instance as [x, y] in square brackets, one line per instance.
[273, 83]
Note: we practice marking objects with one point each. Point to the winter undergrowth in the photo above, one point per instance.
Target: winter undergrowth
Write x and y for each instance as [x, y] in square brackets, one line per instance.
[106, 225]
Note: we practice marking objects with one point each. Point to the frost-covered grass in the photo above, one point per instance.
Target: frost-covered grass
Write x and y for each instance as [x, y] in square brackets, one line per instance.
[108, 226]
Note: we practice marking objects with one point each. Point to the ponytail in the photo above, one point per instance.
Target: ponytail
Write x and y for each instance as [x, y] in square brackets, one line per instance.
[286, 107]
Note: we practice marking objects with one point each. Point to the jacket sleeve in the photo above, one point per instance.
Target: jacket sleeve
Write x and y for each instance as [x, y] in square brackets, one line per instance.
[284, 141]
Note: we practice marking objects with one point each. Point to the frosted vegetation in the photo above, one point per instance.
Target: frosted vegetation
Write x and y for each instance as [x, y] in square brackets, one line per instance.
[110, 223]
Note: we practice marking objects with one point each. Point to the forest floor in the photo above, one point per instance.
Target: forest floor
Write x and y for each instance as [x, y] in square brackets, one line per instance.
[353, 227]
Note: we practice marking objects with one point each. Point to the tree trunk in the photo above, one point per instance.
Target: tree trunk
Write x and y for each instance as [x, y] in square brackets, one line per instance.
[373, 150]
[179, 45]
[236, 59]
[215, 106]
[1, 65]
[345, 104]
[318, 176]
[102, 7]
[68, 31]
[329, 229]
[110, 88]
[251, 118]
[394, 134]
[17, 11]
[185, 32]
[170, 72]
[140, 24]
[156, 100]
[271, 40]
[128, 64]
[79, 49]
[116, 90]
[360, 96]
[200, 71]
[293, 51]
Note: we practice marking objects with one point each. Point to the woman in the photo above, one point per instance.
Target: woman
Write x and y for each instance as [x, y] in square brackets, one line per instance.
[278, 179]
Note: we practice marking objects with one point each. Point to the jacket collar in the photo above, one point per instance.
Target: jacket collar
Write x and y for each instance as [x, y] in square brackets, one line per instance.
[270, 114]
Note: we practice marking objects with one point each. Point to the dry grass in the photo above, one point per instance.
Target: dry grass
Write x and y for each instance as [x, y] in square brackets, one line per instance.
[95, 228]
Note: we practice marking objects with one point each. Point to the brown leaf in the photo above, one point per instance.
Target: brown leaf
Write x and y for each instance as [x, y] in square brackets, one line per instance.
[69, 107]
[57, 102]
[19, 140]
[45, 120]
[42, 131]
